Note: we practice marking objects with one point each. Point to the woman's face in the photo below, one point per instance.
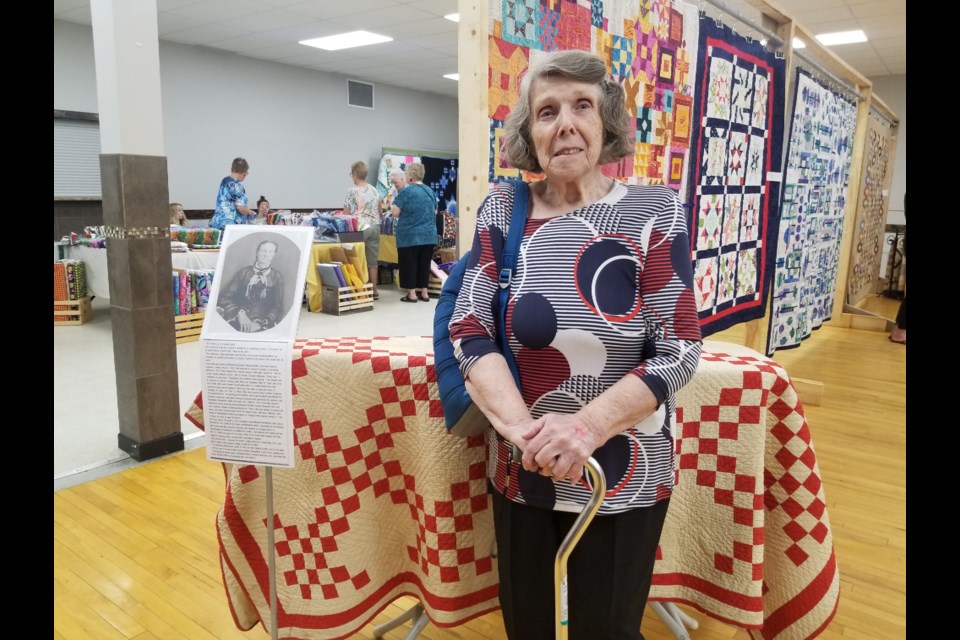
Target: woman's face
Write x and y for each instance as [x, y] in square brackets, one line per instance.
[263, 208]
[565, 127]
[265, 253]
[399, 181]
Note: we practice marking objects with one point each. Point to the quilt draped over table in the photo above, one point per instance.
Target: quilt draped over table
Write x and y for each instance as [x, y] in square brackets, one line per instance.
[383, 502]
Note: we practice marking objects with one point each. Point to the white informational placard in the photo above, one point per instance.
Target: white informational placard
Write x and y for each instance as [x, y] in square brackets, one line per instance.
[247, 340]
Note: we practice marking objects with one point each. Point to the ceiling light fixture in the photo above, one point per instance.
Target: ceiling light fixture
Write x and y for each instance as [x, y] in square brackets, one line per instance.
[346, 40]
[798, 43]
[842, 37]
[453, 17]
[452, 76]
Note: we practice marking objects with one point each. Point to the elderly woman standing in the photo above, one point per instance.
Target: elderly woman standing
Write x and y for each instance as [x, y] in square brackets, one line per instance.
[415, 209]
[398, 180]
[363, 200]
[603, 326]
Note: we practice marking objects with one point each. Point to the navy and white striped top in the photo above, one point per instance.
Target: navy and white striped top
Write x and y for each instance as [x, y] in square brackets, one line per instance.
[598, 293]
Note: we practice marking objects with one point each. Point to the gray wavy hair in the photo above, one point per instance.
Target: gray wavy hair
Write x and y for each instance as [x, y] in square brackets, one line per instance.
[578, 66]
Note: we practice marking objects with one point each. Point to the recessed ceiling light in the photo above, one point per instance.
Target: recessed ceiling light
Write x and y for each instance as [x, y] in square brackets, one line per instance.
[452, 76]
[842, 37]
[798, 43]
[453, 17]
[346, 40]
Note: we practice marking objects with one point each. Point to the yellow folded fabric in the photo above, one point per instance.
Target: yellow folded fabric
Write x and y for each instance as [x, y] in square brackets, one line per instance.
[352, 277]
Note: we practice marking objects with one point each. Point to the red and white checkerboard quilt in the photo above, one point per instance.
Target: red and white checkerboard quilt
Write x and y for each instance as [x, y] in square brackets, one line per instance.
[382, 502]
[747, 538]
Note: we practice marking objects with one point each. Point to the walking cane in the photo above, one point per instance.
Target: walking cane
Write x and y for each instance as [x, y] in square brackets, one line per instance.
[599, 482]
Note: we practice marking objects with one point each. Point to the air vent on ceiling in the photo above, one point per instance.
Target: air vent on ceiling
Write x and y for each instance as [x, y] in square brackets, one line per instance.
[359, 94]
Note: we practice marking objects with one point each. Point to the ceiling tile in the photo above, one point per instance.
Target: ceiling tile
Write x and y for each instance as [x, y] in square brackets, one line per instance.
[879, 8]
[266, 20]
[390, 20]
[168, 23]
[246, 43]
[276, 52]
[206, 34]
[304, 31]
[811, 17]
[436, 7]
[450, 50]
[427, 27]
[218, 10]
[328, 10]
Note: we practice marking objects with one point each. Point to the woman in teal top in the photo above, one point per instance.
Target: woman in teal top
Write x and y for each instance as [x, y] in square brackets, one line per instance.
[415, 209]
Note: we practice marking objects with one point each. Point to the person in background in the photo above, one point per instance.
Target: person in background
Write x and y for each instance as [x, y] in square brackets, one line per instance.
[363, 200]
[397, 181]
[415, 209]
[177, 216]
[263, 208]
[602, 323]
[231, 207]
[899, 333]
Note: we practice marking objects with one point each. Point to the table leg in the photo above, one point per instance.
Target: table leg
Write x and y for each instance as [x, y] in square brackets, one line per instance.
[675, 619]
[416, 613]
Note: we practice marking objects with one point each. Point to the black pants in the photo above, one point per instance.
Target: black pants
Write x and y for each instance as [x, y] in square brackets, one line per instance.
[608, 574]
[414, 264]
[902, 314]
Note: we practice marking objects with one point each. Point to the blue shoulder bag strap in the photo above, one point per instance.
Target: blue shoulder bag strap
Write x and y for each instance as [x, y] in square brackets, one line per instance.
[508, 263]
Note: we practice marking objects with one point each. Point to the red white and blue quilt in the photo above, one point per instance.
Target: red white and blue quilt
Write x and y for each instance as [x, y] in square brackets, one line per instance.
[736, 158]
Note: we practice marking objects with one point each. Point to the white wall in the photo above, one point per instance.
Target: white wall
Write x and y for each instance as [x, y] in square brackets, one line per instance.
[292, 124]
[893, 91]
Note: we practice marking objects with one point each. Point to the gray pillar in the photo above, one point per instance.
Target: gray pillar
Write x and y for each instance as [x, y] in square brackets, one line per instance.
[133, 174]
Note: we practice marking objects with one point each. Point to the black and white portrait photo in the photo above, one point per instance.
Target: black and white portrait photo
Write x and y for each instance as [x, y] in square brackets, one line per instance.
[256, 282]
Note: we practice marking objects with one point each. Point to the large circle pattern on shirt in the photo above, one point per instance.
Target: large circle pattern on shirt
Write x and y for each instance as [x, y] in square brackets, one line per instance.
[607, 268]
[618, 463]
[534, 321]
[680, 258]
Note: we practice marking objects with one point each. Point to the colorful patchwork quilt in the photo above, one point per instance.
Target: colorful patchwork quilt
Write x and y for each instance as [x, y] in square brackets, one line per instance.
[816, 183]
[871, 211]
[737, 140]
[649, 47]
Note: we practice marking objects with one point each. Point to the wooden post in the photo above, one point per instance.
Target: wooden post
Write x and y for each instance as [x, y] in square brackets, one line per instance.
[472, 65]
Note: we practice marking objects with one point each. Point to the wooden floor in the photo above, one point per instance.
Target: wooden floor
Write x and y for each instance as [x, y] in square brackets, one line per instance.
[135, 553]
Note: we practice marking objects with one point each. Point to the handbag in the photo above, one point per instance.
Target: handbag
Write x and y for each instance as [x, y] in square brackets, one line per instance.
[462, 417]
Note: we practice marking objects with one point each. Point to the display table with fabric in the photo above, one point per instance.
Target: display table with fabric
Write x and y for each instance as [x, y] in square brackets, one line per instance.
[382, 502]
[388, 250]
[322, 252]
[95, 261]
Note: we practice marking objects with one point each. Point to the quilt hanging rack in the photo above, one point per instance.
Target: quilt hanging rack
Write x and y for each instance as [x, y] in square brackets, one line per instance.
[772, 38]
[839, 84]
[874, 111]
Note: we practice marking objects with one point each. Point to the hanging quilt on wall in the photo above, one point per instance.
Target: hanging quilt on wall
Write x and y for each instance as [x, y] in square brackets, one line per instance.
[871, 212]
[735, 192]
[441, 176]
[649, 47]
[816, 180]
[388, 163]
